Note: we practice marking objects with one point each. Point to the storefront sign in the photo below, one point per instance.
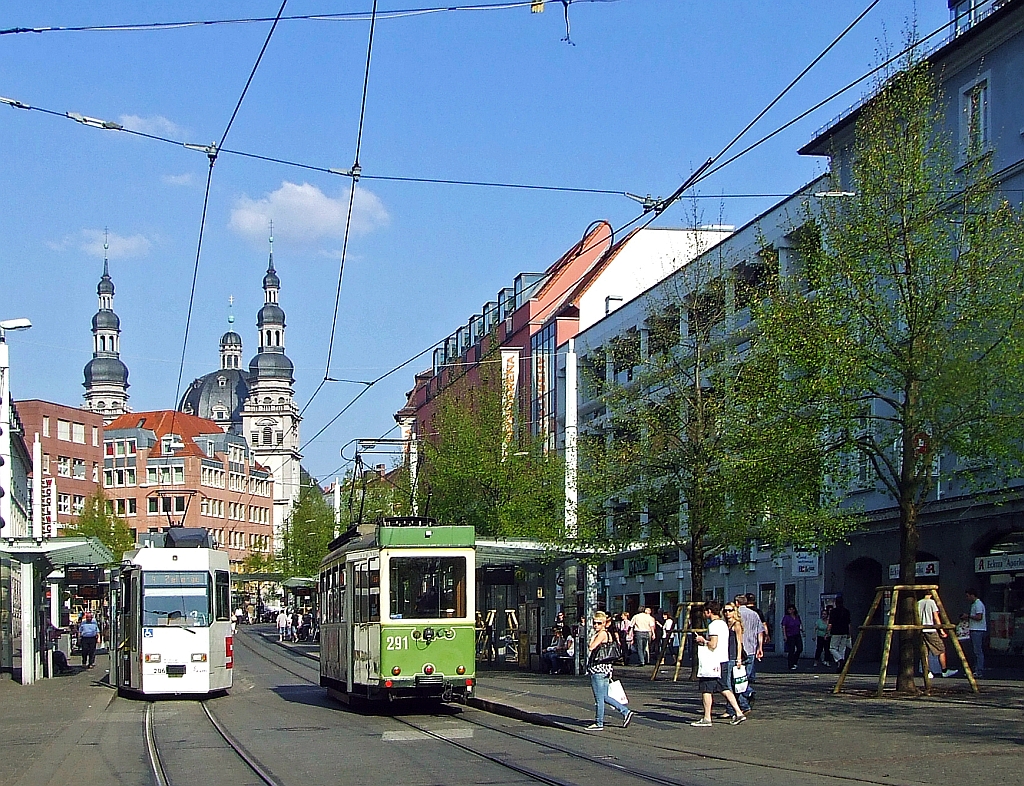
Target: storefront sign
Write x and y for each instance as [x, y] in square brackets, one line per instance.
[999, 563]
[923, 570]
[805, 563]
[638, 566]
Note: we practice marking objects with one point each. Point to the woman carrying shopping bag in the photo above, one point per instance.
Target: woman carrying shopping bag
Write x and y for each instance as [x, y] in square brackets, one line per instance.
[602, 652]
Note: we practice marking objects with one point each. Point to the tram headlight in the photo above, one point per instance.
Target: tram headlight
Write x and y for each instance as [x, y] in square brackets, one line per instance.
[396, 670]
[151, 657]
[460, 670]
[428, 669]
[199, 657]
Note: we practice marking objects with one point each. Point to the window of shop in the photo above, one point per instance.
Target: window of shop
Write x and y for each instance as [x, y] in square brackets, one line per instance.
[1003, 567]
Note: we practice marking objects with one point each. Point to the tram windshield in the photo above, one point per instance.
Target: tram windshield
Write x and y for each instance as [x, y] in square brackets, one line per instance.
[428, 587]
[176, 598]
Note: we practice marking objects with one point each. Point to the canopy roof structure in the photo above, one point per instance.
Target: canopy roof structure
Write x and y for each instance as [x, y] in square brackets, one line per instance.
[58, 552]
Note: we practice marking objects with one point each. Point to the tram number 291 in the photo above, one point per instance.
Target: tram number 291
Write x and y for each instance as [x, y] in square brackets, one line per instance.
[397, 643]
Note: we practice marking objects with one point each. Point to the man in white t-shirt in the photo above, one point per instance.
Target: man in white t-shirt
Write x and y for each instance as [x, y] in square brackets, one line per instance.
[282, 625]
[712, 657]
[979, 627]
[928, 614]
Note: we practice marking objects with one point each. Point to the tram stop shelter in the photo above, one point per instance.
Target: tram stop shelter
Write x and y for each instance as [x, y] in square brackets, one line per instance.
[299, 592]
[27, 565]
[521, 586]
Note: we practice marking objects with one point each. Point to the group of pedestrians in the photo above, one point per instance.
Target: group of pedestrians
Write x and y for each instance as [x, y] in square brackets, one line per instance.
[296, 626]
[646, 635]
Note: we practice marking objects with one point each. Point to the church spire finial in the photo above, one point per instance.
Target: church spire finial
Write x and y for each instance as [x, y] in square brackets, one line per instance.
[231, 310]
[271, 265]
[106, 247]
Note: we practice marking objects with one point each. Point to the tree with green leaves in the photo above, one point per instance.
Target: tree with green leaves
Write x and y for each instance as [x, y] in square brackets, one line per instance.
[667, 463]
[474, 472]
[307, 532]
[97, 520]
[900, 343]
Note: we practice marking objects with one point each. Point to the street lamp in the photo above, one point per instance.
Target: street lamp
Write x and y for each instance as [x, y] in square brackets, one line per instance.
[5, 416]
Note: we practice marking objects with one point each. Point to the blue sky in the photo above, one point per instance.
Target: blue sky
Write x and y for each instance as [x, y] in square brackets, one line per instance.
[650, 89]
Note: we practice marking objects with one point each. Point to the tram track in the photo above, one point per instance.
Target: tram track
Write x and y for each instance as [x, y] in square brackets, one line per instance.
[157, 762]
[620, 770]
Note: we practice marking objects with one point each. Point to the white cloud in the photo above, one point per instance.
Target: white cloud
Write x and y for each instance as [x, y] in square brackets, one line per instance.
[185, 179]
[155, 124]
[306, 214]
[120, 247]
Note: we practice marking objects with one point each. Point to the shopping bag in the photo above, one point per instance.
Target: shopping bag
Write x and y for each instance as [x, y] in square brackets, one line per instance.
[615, 691]
[739, 678]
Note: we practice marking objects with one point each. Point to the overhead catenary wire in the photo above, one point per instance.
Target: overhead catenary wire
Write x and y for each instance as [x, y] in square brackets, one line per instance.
[211, 153]
[651, 212]
[350, 16]
[356, 169]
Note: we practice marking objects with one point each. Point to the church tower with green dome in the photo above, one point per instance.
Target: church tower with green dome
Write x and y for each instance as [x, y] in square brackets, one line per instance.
[106, 376]
[270, 417]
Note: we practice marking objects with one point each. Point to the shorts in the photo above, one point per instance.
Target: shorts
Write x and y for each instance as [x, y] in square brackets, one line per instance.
[711, 685]
[933, 641]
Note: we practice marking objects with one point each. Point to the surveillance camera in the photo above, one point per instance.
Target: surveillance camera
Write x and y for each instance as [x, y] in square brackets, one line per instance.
[15, 324]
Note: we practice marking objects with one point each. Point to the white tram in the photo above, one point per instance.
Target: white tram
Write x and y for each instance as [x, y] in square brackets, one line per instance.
[173, 620]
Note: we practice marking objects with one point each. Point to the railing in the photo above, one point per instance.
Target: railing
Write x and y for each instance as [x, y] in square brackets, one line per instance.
[957, 27]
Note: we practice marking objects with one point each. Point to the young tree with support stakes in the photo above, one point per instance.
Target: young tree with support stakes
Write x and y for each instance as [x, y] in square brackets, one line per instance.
[899, 346]
[308, 531]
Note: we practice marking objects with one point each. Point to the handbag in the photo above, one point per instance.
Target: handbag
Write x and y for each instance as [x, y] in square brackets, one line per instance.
[739, 678]
[616, 691]
[609, 652]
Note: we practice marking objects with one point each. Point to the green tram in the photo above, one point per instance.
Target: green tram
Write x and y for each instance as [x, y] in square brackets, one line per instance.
[397, 605]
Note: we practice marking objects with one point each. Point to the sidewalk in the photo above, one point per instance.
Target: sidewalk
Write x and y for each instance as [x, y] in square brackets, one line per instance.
[796, 723]
[45, 721]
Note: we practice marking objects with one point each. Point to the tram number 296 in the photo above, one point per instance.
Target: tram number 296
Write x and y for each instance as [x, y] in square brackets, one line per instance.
[397, 643]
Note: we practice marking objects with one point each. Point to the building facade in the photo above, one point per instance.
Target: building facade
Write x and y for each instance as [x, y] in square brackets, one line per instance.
[72, 457]
[731, 264]
[968, 539]
[168, 468]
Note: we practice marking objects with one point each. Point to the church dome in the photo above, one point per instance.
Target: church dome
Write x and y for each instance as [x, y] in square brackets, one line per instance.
[106, 370]
[230, 339]
[271, 279]
[270, 314]
[106, 286]
[271, 365]
[106, 320]
[219, 396]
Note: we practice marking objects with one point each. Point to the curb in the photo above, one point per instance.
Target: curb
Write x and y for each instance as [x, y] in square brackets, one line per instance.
[508, 711]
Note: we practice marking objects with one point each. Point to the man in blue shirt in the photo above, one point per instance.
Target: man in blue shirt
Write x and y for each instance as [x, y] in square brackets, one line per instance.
[88, 633]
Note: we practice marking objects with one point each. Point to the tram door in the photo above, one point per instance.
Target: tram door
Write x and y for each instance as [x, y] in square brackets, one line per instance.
[128, 637]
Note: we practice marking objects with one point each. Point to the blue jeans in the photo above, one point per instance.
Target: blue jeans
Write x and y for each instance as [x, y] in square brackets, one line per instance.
[599, 684]
[977, 641]
[641, 640]
[751, 663]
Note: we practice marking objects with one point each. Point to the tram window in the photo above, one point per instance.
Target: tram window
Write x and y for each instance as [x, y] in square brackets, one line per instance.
[176, 598]
[428, 587]
[373, 589]
[222, 596]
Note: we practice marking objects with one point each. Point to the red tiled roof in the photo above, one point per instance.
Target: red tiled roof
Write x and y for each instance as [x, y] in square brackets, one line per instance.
[169, 421]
